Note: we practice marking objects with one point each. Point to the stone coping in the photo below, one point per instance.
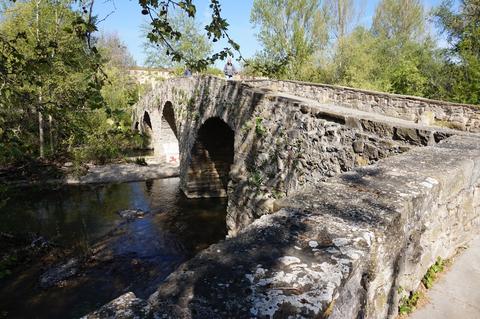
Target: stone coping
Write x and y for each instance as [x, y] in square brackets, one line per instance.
[370, 92]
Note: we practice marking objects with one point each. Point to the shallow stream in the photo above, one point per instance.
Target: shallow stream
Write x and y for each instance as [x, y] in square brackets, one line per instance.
[132, 255]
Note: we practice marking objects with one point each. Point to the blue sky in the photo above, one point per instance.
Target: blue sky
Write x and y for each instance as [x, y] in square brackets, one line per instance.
[125, 19]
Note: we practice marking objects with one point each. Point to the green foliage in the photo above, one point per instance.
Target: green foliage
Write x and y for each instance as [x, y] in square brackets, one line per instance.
[462, 59]
[259, 127]
[291, 31]
[213, 71]
[399, 19]
[166, 34]
[432, 272]
[277, 194]
[100, 138]
[408, 303]
[192, 44]
[51, 70]
[396, 54]
[47, 71]
[256, 179]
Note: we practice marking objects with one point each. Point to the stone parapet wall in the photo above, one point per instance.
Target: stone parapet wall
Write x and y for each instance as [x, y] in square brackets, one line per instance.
[431, 112]
[286, 146]
[150, 76]
[350, 247]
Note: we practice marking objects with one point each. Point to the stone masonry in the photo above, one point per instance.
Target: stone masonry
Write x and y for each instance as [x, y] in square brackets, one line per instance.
[281, 143]
[454, 115]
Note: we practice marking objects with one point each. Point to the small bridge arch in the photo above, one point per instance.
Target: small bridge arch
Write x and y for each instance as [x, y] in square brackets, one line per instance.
[168, 145]
[212, 156]
[147, 129]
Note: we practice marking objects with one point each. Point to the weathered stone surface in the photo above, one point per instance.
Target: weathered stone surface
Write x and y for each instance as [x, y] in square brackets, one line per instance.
[341, 249]
[127, 306]
[131, 214]
[57, 274]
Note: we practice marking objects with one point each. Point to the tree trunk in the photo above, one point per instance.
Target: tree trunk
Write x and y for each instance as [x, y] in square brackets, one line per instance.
[41, 141]
[50, 131]
[40, 134]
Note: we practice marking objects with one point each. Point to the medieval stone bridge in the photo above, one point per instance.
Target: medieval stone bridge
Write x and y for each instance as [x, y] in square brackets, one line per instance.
[258, 141]
[339, 199]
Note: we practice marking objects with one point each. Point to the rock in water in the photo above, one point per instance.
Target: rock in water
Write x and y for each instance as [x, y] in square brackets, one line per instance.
[127, 306]
[56, 275]
[130, 214]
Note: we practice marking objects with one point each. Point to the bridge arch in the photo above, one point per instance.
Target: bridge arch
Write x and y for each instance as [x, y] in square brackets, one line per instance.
[167, 145]
[147, 122]
[147, 130]
[211, 158]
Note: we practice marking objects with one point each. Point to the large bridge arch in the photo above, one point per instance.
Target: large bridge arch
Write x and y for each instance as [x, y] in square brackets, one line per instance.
[191, 105]
[211, 158]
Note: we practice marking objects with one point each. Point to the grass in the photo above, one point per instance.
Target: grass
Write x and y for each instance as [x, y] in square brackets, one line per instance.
[259, 127]
[432, 272]
[256, 179]
[409, 303]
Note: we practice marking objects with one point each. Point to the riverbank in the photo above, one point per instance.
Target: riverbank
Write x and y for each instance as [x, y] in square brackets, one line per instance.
[128, 171]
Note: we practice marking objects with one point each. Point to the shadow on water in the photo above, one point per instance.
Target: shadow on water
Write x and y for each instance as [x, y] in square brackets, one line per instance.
[134, 256]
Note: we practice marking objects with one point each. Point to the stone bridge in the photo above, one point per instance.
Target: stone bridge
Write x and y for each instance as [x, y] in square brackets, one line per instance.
[258, 141]
[339, 199]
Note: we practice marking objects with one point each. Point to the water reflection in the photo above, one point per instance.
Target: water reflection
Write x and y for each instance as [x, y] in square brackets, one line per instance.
[138, 257]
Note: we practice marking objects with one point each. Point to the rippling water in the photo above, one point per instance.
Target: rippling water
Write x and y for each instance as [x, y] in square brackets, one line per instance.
[141, 253]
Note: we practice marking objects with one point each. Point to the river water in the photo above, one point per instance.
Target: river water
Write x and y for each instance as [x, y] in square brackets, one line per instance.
[132, 256]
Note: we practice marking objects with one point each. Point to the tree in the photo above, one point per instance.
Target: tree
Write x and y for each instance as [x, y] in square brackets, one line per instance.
[193, 44]
[401, 19]
[46, 69]
[291, 31]
[114, 51]
[342, 17]
[395, 55]
[356, 62]
[119, 91]
[462, 59]
[163, 33]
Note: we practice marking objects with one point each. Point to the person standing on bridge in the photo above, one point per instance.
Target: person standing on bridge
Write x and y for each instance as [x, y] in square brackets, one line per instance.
[187, 72]
[229, 69]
